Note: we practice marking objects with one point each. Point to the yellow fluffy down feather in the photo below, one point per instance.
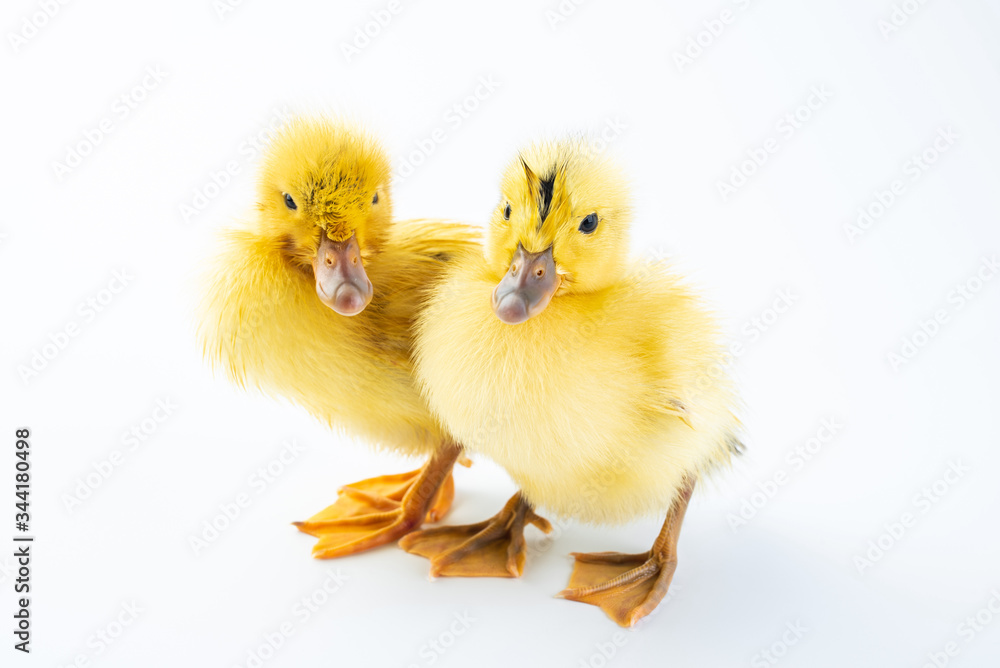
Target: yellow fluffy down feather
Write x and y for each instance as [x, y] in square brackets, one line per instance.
[603, 403]
[261, 320]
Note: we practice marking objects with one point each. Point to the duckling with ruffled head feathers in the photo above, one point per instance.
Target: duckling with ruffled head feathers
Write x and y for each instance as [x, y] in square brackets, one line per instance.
[314, 300]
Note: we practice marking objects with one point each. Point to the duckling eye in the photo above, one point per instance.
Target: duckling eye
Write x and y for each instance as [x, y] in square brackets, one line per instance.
[289, 202]
[506, 212]
[589, 224]
[375, 198]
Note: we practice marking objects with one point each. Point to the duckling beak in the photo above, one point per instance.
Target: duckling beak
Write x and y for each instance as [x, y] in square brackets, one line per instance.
[527, 287]
[341, 281]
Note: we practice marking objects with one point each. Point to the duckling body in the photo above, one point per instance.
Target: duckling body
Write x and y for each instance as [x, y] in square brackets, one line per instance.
[596, 381]
[314, 300]
[586, 405]
[269, 331]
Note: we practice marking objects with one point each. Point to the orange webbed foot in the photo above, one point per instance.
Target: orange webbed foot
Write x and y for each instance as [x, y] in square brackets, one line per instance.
[629, 586]
[381, 510]
[625, 586]
[493, 548]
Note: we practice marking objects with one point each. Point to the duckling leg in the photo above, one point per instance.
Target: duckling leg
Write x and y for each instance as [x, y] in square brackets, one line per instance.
[494, 548]
[630, 586]
[377, 511]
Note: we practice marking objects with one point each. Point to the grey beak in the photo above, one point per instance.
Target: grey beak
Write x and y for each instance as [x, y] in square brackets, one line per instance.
[527, 287]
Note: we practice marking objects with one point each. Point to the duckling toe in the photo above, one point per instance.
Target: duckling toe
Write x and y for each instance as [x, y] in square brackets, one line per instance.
[626, 586]
[494, 548]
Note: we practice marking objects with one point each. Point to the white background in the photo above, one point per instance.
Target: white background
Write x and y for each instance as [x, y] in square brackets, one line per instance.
[683, 129]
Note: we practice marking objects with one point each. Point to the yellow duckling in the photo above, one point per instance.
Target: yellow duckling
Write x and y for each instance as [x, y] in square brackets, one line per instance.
[600, 380]
[314, 300]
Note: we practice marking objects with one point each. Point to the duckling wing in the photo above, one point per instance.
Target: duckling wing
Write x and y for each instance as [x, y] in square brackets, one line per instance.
[688, 368]
[409, 266]
[437, 239]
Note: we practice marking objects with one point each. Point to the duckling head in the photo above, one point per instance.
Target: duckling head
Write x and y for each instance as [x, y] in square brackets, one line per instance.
[324, 191]
[561, 227]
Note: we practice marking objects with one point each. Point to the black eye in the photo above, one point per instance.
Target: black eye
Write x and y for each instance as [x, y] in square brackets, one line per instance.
[289, 202]
[506, 212]
[375, 198]
[589, 224]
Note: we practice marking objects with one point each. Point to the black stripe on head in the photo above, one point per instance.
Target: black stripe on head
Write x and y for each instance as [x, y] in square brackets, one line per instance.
[545, 185]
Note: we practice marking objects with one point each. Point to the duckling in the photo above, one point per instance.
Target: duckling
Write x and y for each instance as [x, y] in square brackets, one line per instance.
[603, 377]
[314, 300]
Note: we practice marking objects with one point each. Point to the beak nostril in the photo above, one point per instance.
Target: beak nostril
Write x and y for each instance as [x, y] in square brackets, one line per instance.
[540, 272]
[329, 261]
[513, 269]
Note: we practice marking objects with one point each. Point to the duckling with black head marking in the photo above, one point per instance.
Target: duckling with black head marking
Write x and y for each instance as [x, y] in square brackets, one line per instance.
[601, 373]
